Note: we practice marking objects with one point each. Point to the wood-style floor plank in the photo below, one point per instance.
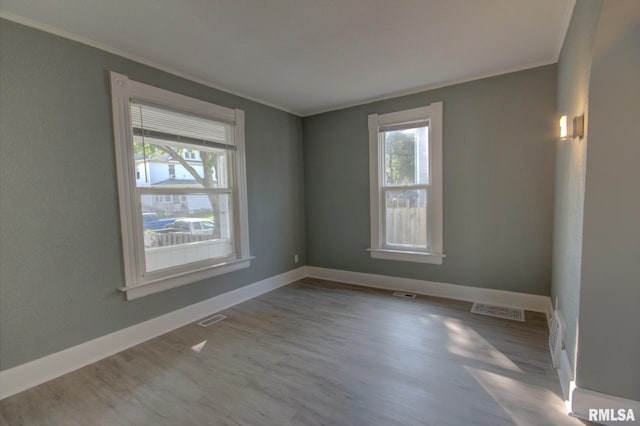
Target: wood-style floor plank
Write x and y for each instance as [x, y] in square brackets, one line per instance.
[317, 353]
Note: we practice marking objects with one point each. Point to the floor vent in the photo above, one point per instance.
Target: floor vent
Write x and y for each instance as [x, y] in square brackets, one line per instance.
[211, 320]
[403, 294]
[514, 314]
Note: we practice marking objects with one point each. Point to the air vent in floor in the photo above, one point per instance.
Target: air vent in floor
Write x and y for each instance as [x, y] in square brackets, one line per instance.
[403, 294]
[556, 337]
[211, 320]
[498, 311]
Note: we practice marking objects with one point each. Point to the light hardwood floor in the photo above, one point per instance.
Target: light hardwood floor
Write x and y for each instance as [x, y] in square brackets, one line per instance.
[315, 353]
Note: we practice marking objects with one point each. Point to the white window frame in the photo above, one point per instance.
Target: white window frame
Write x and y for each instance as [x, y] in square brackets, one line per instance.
[434, 252]
[138, 282]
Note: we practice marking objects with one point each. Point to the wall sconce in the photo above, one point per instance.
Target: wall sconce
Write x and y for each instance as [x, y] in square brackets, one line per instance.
[578, 127]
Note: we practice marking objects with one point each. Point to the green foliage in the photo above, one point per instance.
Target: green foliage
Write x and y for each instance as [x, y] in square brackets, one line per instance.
[400, 157]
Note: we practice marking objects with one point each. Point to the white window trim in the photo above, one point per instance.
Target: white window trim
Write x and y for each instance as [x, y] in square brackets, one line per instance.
[137, 283]
[434, 252]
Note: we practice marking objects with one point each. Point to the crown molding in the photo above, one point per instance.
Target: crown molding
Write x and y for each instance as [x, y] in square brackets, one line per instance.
[86, 41]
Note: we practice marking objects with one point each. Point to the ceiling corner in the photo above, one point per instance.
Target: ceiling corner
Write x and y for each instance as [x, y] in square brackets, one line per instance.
[566, 21]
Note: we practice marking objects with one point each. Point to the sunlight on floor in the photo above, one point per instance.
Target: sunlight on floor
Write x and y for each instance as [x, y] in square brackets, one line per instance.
[466, 342]
[425, 321]
[512, 394]
[197, 348]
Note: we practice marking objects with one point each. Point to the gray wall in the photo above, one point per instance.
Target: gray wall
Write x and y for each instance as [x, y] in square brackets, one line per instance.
[498, 184]
[574, 67]
[609, 340]
[60, 258]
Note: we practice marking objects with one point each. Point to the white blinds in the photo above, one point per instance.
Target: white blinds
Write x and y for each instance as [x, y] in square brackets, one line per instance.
[404, 126]
[172, 126]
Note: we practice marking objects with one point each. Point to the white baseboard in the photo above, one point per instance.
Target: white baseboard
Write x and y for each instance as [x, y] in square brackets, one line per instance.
[565, 374]
[584, 399]
[579, 400]
[41, 370]
[531, 302]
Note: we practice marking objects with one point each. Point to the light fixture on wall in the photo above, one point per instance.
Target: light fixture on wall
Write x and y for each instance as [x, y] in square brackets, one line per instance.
[578, 127]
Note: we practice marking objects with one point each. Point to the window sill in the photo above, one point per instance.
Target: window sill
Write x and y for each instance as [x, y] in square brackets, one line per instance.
[166, 283]
[407, 256]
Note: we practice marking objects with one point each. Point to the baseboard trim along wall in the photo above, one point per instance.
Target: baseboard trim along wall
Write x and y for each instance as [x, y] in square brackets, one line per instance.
[41, 370]
[583, 400]
[25, 376]
[565, 374]
[579, 401]
[531, 302]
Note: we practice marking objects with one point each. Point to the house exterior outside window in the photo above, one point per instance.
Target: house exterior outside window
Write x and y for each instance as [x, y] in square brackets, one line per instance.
[158, 186]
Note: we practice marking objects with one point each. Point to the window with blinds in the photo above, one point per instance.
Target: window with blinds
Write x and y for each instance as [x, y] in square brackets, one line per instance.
[181, 162]
[162, 137]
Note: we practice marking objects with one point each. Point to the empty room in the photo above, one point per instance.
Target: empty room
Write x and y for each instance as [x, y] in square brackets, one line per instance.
[301, 212]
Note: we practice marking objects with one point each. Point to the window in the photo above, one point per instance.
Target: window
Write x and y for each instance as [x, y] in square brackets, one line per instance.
[154, 127]
[405, 152]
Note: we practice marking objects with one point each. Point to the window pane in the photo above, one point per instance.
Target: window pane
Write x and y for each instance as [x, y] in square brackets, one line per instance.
[163, 165]
[173, 149]
[178, 233]
[406, 217]
[406, 159]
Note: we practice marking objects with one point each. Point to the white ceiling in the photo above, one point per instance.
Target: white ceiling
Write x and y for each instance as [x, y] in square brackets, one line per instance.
[308, 56]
